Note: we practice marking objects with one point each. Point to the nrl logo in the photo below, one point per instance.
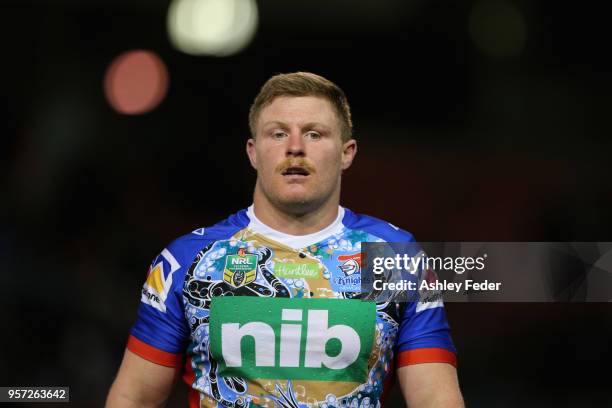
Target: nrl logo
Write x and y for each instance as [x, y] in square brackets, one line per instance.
[240, 269]
[351, 264]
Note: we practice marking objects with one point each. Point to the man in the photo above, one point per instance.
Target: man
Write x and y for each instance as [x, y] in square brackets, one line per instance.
[263, 307]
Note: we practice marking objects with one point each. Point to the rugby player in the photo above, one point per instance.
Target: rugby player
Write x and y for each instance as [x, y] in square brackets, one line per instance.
[263, 309]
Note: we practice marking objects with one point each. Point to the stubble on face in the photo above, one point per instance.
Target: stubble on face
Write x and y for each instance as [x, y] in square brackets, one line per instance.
[300, 183]
[292, 193]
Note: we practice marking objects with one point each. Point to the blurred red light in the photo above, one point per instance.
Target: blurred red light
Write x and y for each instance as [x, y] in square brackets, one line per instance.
[136, 82]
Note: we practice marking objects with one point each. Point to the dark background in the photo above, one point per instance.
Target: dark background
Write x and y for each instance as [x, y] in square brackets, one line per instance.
[455, 143]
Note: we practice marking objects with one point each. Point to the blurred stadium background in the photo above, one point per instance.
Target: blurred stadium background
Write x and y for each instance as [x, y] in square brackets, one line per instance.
[124, 125]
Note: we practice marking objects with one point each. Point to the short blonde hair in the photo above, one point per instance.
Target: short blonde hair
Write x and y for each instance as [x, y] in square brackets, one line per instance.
[303, 84]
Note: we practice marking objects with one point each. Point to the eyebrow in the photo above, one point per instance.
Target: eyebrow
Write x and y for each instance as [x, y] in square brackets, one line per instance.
[308, 125]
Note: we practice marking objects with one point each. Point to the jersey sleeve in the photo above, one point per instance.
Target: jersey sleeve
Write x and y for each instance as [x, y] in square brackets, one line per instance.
[160, 332]
[424, 333]
[424, 336]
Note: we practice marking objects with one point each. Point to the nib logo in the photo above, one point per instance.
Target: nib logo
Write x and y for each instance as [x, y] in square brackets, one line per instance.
[311, 339]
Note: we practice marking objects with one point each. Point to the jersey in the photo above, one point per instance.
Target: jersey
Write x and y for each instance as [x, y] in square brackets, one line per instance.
[266, 319]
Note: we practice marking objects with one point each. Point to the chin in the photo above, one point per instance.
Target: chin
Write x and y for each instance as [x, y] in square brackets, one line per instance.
[295, 196]
[297, 204]
[297, 200]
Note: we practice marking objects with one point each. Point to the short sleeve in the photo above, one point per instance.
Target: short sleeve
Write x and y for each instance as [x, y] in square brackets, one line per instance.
[160, 332]
[424, 336]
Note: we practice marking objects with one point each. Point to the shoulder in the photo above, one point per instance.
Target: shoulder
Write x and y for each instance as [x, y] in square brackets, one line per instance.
[375, 226]
[186, 247]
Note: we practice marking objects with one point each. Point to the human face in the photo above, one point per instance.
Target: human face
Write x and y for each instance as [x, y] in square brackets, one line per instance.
[299, 154]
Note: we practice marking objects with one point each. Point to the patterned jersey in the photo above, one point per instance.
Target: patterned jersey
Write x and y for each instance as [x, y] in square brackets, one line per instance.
[266, 319]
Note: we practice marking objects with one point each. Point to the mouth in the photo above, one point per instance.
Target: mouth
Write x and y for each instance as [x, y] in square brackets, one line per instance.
[295, 172]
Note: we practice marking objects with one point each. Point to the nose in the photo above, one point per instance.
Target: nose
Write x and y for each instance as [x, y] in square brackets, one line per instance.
[295, 144]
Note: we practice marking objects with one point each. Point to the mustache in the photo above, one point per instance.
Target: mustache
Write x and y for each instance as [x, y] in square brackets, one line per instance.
[289, 163]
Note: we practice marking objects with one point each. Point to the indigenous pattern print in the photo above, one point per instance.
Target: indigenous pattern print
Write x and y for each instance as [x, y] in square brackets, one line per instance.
[268, 320]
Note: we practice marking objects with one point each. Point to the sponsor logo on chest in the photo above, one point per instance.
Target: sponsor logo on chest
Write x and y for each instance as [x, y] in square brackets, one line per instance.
[311, 339]
[290, 270]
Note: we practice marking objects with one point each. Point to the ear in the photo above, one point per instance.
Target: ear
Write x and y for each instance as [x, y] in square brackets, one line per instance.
[349, 150]
[251, 152]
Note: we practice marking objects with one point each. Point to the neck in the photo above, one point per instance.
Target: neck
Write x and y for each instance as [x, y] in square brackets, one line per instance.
[290, 223]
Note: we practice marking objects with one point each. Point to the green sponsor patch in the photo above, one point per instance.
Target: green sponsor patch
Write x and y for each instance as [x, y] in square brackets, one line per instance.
[307, 339]
[290, 270]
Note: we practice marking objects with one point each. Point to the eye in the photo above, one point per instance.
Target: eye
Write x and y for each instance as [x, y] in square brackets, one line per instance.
[279, 135]
[313, 135]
